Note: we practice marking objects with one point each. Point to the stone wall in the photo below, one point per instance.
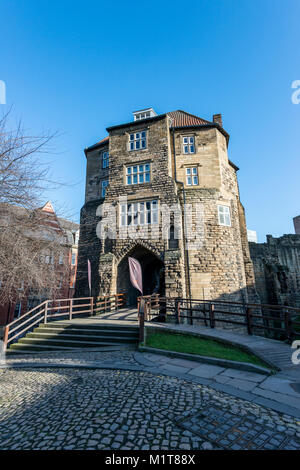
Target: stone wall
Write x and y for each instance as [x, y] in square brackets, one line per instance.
[277, 269]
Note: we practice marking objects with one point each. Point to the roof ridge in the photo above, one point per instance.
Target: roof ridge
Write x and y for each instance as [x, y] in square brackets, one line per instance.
[189, 114]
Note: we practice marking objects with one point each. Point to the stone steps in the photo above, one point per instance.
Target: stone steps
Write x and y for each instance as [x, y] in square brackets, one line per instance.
[61, 336]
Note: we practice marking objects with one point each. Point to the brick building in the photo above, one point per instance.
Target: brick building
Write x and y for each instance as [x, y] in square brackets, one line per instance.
[178, 161]
[67, 234]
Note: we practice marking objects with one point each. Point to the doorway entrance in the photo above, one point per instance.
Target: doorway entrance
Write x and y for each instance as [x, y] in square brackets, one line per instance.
[152, 272]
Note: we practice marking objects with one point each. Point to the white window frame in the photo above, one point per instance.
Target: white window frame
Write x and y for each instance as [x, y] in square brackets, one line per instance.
[188, 144]
[192, 176]
[73, 257]
[137, 174]
[137, 141]
[224, 215]
[104, 184]
[105, 159]
[139, 213]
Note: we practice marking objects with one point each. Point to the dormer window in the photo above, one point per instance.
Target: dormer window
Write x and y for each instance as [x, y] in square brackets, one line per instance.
[144, 114]
[189, 144]
[105, 159]
[138, 140]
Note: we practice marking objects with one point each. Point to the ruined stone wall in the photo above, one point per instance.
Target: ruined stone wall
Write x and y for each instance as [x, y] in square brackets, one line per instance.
[277, 269]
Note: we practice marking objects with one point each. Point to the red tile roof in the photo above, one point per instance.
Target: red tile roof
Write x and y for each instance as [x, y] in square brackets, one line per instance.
[183, 119]
[102, 141]
[180, 119]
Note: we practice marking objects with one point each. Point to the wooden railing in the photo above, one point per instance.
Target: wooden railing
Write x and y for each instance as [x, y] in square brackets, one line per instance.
[51, 310]
[277, 321]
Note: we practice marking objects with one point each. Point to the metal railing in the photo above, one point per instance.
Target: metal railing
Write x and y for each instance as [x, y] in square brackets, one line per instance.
[51, 310]
[277, 321]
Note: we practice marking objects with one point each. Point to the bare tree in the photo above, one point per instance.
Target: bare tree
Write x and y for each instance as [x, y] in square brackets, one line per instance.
[30, 247]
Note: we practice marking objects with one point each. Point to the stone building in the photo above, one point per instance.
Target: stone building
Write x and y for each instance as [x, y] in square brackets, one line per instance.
[162, 190]
[296, 221]
[277, 270]
[48, 227]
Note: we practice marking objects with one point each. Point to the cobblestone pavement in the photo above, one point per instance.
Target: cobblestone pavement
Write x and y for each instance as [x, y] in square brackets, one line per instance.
[116, 409]
[124, 356]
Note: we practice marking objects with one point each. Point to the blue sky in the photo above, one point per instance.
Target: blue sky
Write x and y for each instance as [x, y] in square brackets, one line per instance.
[77, 67]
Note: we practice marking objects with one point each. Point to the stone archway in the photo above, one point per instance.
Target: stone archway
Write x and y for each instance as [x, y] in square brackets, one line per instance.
[152, 270]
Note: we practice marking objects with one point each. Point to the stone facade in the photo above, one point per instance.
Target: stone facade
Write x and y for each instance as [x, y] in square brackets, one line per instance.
[277, 269]
[296, 221]
[207, 260]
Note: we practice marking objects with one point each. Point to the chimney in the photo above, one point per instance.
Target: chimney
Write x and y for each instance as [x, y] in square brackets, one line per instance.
[217, 119]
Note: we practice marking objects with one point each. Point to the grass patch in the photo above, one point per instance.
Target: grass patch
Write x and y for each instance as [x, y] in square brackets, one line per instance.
[186, 343]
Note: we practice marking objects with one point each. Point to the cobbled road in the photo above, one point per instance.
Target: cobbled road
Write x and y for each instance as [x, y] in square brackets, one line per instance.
[116, 409]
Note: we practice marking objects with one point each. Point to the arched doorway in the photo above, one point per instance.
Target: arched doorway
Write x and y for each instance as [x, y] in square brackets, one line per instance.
[152, 271]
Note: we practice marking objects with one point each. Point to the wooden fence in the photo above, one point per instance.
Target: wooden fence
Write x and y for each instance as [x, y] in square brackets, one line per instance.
[277, 321]
[51, 310]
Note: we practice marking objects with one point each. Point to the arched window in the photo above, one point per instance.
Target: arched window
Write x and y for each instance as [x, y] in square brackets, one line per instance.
[173, 242]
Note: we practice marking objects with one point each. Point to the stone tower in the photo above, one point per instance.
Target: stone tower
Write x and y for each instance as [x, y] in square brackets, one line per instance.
[162, 189]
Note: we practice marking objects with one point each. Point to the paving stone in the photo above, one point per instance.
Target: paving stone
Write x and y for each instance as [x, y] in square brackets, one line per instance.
[206, 371]
[244, 375]
[242, 384]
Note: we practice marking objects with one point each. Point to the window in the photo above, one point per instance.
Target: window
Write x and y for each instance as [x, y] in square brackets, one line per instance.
[137, 141]
[49, 258]
[142, 115]
[104, 185]
[139, 213]
[61, 258]
[188, 144]
[105, 159]
[73, 261]
[224, 215]
[192, 176]
[138, 174]
[173, 241]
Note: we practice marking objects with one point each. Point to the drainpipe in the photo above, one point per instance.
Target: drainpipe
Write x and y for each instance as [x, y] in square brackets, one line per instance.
[185, 241]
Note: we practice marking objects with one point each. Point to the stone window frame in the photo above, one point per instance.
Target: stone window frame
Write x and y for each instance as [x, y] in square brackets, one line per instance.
[191, 175]
[103, 186]
[188, 144]
[138, 172]
[105, 159]
[139, 213]
[224, 214]
[134, 140]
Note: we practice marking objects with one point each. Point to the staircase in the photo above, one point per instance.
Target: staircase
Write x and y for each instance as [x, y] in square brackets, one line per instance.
[61, 336]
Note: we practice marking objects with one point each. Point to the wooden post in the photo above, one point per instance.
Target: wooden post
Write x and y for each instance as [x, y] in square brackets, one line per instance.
[212, 315]
[116, 302]
[5, 337]
[92, 305]
[46, 311]
[287, 323]
[177, 311]
[71, 309]
[142, 309]
[249, 320]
